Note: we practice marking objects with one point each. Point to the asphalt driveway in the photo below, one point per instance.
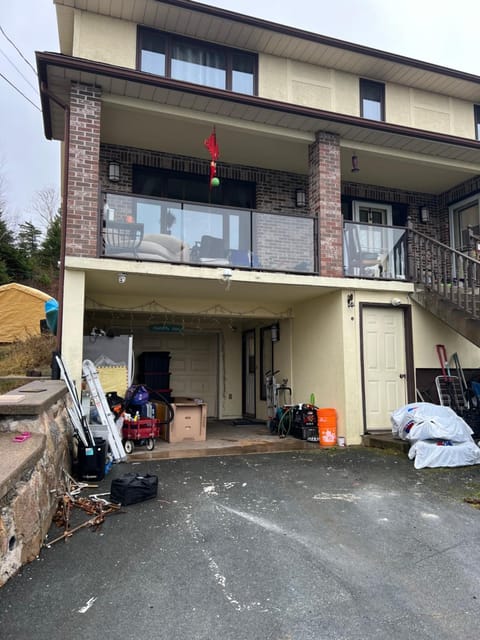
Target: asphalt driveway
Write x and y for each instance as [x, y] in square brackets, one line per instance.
[350, 544]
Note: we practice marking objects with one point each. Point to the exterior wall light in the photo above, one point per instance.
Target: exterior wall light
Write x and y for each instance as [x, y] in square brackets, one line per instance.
[355, 167]
[122, 278]
[424, 214]
[275, 332]
[300, 198]
[114, 172]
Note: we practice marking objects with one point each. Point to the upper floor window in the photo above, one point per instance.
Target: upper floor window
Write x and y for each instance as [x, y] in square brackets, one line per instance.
[372, 100]
[192, 61]
[476, 109]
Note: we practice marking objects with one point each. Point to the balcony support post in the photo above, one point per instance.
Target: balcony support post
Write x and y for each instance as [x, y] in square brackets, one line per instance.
[325, 201]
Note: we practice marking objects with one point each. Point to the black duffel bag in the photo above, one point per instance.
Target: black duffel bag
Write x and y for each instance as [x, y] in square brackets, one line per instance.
[133, 487]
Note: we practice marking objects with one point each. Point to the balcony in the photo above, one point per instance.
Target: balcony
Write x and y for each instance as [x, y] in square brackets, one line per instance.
[150, 229]
[375, 251]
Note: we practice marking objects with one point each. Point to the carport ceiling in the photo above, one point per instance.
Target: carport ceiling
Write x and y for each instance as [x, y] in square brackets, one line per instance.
[268, 289]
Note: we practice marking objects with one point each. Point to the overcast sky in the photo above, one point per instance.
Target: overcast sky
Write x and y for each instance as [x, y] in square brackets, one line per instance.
[431, 30]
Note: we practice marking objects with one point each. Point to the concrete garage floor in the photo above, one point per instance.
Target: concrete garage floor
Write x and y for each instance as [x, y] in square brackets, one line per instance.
[224, 438]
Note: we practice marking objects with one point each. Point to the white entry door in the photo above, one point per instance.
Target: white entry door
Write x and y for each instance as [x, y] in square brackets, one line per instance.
[384, 365]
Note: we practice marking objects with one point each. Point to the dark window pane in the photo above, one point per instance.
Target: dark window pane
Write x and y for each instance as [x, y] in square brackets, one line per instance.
[148, 181]
[153, 53]
[199, 65]
[242, 73]
[477, 121]
[372, 100]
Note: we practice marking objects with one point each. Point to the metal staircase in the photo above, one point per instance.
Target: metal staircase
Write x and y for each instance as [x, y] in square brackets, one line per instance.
[447, 282]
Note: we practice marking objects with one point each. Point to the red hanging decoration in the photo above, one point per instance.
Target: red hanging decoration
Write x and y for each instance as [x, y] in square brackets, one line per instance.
[212, 146]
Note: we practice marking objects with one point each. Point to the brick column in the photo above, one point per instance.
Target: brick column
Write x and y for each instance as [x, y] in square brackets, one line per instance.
[84, 153]
[325, 201]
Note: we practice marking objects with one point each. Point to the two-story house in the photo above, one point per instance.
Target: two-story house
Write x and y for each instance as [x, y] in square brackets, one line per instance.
[248, 196]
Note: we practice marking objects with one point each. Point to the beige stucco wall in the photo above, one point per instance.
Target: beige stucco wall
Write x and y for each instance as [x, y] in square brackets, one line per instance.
[104, 39]
[429, 111]
[322, 88]
[317, 355]
[307, 85]
[428, 332]
[72, 323]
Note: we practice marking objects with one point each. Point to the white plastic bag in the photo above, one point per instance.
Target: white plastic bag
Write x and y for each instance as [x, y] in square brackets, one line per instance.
[441, 453]
[425, 421]
[402, 417]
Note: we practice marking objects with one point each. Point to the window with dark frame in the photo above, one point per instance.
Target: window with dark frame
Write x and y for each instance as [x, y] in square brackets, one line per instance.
[198, 62]
[476, 110]
[192, 187]
[372, 100]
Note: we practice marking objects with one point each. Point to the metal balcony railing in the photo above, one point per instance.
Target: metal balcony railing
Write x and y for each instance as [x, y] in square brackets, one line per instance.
[153, 229]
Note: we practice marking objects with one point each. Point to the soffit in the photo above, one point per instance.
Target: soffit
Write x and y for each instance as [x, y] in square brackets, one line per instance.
[224, 27]
[58, 71]
[241, 146]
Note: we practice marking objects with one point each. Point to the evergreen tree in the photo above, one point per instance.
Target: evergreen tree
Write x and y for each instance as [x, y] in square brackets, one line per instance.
[15, 266]
[50, 248]
[28, 237]
[49, 255]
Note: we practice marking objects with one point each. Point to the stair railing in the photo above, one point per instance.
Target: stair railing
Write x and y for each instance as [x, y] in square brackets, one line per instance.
[454, 276]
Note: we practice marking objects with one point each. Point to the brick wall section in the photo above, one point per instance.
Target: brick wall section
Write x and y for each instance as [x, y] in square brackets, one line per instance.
[275, 189]
[325, 201]
[412, 199]
[83, 175]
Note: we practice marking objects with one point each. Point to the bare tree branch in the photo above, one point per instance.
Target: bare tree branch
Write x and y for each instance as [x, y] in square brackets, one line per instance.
[45, 204]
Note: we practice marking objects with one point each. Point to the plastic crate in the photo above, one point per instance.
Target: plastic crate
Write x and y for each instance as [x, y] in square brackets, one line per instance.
[304, 433]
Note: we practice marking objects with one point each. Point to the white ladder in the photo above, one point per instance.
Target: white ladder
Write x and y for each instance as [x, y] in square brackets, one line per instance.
[106, 416]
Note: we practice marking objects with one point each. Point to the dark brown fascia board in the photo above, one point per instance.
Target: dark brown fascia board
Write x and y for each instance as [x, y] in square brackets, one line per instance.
[321, 39]
[45, 59]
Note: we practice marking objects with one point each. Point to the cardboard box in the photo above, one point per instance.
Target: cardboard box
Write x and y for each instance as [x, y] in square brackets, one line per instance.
[189, 422]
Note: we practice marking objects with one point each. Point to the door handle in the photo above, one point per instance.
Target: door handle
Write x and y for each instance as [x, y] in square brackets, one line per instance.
[403, 376]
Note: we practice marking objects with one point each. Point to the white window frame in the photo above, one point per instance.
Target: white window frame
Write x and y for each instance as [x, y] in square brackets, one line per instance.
[472, 200]
[369, 238]
[357, 204]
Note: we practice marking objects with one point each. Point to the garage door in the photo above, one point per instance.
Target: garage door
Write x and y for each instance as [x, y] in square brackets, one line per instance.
[193, 365]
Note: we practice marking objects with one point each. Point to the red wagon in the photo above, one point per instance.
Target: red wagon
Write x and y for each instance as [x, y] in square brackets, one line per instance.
[141, 432]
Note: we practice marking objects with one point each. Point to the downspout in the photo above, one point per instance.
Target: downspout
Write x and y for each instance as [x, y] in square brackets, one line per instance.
[63, 226]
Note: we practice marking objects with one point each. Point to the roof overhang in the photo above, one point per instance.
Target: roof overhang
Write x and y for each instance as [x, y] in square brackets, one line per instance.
[213, 24]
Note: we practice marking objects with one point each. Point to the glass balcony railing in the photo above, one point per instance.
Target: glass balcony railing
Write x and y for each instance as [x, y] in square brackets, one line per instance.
[374, 251]
[150, 229]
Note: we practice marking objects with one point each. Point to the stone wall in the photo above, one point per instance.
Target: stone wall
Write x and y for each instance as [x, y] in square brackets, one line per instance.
[31, 472]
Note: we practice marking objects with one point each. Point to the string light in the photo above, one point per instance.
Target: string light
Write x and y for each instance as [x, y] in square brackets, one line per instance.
[214, 310]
